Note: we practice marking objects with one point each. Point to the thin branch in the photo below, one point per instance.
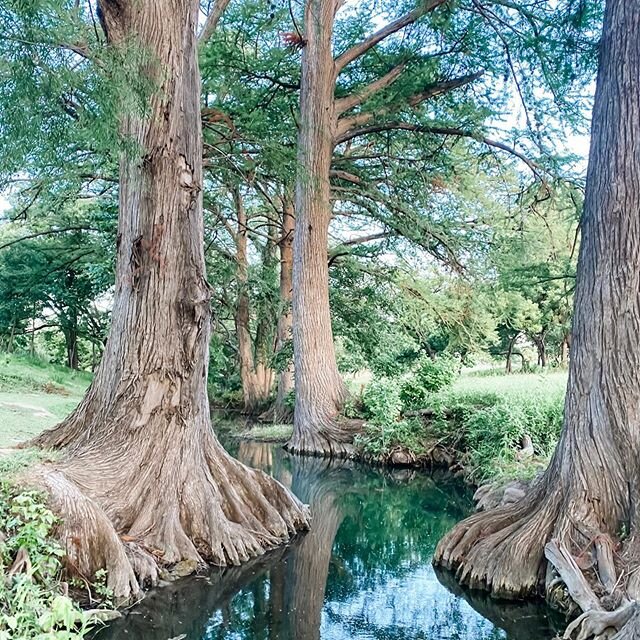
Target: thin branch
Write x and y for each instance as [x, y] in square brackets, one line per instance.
[368, 43]
[445, 131]
[360, 95]
[46, 233]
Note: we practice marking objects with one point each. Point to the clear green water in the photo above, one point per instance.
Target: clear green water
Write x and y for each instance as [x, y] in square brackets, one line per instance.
[363, 571]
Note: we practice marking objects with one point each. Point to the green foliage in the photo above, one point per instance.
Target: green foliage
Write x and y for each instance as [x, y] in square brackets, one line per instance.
[33, 605]
[385, 430]
[482, 420]
[430, 375]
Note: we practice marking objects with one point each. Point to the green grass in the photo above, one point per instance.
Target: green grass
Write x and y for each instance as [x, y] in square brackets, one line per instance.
[34, 396]
[269, 432]
[511, 385]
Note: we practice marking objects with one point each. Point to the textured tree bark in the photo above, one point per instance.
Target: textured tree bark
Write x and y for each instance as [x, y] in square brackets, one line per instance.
[320, 390]
[141, 477]
[590, 492]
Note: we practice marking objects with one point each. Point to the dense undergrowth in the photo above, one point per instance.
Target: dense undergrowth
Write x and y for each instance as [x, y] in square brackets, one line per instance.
[483, 426]
[34, 599]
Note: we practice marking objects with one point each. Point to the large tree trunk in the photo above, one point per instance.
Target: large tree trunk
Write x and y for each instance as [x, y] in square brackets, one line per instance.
[590, 494]
[141, 475]
[320, 391]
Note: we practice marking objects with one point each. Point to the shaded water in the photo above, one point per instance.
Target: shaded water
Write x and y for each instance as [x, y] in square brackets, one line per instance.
[363, 571]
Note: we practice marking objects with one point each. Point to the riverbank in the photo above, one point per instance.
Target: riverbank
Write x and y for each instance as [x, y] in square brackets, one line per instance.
[475, 428]
[485, 428]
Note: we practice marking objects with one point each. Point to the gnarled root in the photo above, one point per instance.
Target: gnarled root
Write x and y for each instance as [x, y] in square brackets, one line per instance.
[600, 624]
[501, 550]
[130, 516]
[332, 438]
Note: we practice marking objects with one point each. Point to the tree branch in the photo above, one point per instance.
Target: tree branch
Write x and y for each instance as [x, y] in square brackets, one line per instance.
[368, 43]
[431, 91]
[359, 96]
[46, 233]
[445, 131]
[213, 18]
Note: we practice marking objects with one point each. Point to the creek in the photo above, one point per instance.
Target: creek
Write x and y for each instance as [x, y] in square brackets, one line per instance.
[362, 572]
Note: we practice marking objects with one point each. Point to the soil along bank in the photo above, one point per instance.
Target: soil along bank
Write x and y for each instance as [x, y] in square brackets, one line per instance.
[141, 479]
[579, 526]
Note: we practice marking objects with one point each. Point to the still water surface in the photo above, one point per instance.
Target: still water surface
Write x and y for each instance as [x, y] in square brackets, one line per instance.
[363, 572]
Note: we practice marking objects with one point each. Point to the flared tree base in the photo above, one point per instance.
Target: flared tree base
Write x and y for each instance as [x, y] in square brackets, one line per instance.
[131, 506]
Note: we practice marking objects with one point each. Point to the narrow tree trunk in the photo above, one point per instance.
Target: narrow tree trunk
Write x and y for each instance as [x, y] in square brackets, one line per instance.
[509, 361]
[280, 411]
[140, 461]
[70, 331]
[590, 493]
[320, 391]
[250, 385]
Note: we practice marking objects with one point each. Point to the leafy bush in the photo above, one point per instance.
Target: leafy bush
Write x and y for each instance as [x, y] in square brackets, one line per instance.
[32, 603]
[481, 421]
[430, 376]
[381, 402]
[384, 429]
[487, 428]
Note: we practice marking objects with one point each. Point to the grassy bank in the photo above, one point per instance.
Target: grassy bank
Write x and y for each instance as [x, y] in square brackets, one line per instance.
[34, 396]
[484, 426]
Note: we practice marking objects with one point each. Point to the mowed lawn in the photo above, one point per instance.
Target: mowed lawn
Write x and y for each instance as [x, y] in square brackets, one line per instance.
[35, 396]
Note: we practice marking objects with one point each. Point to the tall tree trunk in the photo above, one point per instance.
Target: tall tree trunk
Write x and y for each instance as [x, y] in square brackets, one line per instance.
[320, 391]
[140, 461]
[280, 411]
[590, 493]
[250, 384]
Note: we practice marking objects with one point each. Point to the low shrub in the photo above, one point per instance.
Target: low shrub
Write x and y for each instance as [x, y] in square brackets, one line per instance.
[482, 428]
[33, 600]
[429, 376]
[385, 429]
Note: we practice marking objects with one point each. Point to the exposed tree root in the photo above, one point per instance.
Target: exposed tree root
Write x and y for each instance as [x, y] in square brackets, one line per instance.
[194, 502]
[331, 438]
[600, 624]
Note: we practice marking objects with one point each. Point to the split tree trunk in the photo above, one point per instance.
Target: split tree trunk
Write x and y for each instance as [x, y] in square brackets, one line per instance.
[591, 491]
[320, 390]
[141, 475]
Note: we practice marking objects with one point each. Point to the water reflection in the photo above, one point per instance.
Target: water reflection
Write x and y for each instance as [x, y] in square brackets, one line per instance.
[363, 571]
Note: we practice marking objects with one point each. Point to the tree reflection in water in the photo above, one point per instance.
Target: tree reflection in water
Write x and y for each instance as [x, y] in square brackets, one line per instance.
[363, 571]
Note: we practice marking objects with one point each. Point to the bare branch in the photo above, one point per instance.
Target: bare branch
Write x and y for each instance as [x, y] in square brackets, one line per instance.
[359, 96]
[444, 131]
[368, 43]
[213, 18]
